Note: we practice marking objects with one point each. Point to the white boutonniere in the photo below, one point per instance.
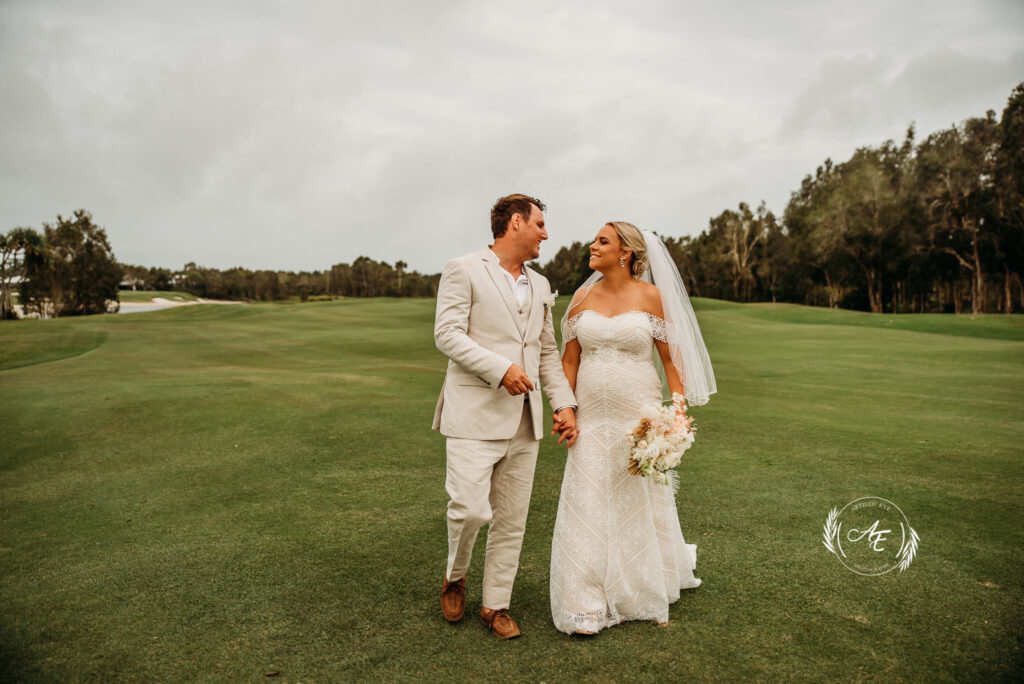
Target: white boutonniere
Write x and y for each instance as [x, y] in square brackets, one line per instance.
[549, 302]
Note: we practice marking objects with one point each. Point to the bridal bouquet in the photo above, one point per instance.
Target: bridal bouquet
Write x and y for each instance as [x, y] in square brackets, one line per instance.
[657, 443]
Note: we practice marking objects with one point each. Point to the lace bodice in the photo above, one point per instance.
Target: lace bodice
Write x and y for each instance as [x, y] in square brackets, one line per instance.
[630, 334]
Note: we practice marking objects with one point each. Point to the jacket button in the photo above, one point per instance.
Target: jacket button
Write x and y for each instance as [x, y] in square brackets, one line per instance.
[524, 345]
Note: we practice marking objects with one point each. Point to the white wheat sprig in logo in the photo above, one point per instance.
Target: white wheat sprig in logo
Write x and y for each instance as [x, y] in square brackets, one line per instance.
[832, 531]
[909, 550]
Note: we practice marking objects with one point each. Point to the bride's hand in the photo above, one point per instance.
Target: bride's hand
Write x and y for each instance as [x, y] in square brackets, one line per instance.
[565, 425]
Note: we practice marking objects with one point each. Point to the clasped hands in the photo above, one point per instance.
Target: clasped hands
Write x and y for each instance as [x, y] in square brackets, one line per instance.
[565, 426]
[516, 382]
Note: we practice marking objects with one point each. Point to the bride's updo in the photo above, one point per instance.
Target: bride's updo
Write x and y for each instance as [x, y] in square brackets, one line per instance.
[633, 240]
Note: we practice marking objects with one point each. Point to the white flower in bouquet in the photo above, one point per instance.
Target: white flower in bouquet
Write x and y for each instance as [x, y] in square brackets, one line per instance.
[659, 440]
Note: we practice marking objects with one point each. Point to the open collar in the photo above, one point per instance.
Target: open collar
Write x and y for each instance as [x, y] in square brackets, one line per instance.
[494, 269]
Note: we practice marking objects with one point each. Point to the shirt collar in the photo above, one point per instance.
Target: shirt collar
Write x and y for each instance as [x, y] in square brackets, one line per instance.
[522, 271]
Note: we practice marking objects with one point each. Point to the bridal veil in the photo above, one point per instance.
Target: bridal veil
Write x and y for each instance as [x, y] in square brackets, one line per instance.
[688, 352]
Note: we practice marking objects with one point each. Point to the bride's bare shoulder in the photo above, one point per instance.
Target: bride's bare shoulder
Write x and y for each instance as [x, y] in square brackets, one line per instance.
[649, 289]
[652, 299]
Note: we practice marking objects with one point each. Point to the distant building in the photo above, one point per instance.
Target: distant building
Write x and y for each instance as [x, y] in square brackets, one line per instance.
[132, 282]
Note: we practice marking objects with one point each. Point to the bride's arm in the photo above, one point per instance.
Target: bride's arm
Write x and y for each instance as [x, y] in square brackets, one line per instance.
[571, 362]
[673, 373]
[571, 355]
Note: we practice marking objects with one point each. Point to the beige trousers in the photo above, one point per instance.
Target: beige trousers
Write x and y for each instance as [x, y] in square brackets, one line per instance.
[489, 481]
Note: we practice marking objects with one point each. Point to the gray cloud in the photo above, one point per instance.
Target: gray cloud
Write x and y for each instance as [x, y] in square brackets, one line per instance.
[276, 135]
[861, 97]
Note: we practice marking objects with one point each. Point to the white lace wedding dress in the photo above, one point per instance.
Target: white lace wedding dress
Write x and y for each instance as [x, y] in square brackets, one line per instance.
[617, 552]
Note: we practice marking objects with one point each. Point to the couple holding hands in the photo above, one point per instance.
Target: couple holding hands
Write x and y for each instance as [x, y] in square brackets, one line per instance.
[617, 551]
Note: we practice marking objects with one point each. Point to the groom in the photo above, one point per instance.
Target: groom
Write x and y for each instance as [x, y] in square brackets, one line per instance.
[494, 324]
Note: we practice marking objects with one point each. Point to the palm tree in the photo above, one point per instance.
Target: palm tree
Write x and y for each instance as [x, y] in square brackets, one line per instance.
[15, 242]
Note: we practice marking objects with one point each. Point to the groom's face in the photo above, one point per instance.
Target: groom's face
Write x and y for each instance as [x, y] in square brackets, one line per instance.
[533, 232]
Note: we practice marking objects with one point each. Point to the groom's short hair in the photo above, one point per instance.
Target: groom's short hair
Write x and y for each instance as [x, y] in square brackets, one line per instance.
[501, 212]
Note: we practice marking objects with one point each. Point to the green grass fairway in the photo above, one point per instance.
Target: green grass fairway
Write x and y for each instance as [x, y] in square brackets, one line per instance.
[214, 493]
[149, 295]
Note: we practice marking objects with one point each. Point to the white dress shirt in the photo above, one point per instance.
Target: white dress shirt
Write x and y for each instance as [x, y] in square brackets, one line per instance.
[520, 286]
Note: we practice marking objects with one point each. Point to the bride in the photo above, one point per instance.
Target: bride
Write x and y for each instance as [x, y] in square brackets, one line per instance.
[618, 552]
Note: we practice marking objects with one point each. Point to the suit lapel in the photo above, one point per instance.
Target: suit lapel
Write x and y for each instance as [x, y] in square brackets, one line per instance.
[536, 304]
[494, 270]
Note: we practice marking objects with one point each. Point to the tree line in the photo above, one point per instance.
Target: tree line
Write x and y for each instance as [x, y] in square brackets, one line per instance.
[932, 226]
[364, 277]
[69, 269]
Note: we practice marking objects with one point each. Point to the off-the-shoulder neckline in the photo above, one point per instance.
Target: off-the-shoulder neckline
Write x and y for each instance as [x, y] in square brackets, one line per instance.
[624, 313]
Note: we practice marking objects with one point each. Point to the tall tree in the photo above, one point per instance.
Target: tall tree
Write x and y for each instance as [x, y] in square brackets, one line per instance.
[860, 216]
[812, 226]
[776, 258]
[1009, 192]
[13, 244]
[739, 233]
[74, 273]
[400, 267]
[956, 170]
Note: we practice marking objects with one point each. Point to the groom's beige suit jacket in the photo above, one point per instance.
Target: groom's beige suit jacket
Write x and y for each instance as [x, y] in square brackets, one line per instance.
[479, 327]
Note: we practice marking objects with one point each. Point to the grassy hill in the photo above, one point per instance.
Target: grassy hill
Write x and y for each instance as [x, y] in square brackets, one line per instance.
[149, 295]
[217, 492]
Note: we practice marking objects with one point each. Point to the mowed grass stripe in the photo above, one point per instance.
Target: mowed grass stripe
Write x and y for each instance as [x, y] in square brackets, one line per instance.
[214, 492]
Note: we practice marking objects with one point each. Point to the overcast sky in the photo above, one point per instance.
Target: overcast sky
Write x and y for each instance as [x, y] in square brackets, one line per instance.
[298, 135]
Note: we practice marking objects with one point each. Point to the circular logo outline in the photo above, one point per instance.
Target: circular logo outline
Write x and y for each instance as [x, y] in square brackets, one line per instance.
[908, 542]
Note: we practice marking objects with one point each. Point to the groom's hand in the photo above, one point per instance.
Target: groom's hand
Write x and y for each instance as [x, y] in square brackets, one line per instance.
[565, 425]
[516, 381]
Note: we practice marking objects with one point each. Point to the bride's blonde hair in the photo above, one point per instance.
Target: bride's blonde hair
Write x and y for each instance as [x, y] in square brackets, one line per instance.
[633, 240]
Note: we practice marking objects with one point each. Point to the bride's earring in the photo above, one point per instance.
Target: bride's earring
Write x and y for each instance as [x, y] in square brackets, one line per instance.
[621, 262]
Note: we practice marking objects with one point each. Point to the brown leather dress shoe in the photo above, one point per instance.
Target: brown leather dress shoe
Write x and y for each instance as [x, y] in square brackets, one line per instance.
[499, 622]
[453, 599]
